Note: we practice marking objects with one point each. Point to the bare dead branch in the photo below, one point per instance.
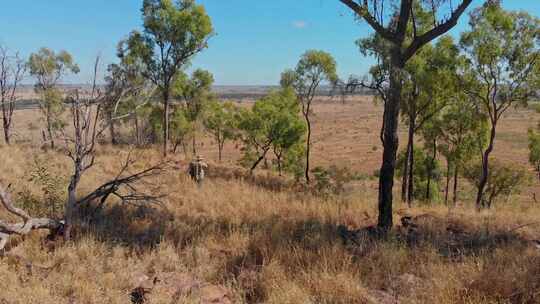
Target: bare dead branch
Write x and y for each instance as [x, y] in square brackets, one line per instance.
[22, 228]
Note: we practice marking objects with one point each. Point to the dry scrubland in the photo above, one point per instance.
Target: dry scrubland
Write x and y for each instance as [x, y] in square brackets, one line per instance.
[265, 246]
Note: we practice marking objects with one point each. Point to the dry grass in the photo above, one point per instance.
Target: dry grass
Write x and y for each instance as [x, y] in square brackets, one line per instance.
[271, 246]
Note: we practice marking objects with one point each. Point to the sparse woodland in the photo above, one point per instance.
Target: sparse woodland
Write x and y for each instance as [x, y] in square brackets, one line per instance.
[96, 205]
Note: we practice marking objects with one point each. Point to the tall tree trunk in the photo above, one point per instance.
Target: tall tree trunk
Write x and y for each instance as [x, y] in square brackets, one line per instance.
[410, 193]
[185, 149]
[405, 178]
[6, 120]
[50, 129]
[6, 132]
[256, 163]
[69, 212]
[485, 168]
[308, 144]
[177, 143]
[220, 149]
[137, 131]
[112, 128]
[430, 171]
[166, 109]
[446, 188]
[407, 186]
[390, 143]
[455, 184]
[279, 163]
[194, 145]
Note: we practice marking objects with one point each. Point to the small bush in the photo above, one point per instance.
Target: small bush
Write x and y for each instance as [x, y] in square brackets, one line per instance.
[424, 168]
[503, 180]
[331, 181]
[535, 106]
[53, 190]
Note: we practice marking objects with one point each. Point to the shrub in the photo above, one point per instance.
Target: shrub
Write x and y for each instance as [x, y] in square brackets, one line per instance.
[53, 189]
[535, 106]
[503, 180]
[424, 168]
[331, 181]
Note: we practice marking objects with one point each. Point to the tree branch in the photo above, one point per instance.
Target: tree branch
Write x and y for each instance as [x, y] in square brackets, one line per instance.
[362, 11]
[437, 31]
[22, 228]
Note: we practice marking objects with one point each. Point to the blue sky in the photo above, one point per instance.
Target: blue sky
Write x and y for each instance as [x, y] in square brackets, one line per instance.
[255, 40]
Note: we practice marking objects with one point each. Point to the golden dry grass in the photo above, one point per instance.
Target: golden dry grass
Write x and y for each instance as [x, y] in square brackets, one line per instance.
[277, 247]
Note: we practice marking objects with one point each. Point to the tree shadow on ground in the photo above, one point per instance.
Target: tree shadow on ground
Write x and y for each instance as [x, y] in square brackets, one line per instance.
[145, 227]
[135, 227]
[298, 243]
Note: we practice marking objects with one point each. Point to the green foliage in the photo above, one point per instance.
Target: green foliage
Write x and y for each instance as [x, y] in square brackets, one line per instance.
[195, 92]
[293, 160]
[173, 33]
[534, 150]
[331, 181]
[462, 132]
[149, 119]
[501, 51]
[272, 123]
[220, 121]
[53, 190]
[181, 127]
[49, 67]
[313, 68]
[503, 180]
[501, 48]
[52, 106]
[535, 106]
[424, 167]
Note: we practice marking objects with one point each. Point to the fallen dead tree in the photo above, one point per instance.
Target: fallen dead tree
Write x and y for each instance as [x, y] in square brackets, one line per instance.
[27, 225]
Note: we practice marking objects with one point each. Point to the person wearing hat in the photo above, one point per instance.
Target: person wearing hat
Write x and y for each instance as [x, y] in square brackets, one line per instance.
[196, 169]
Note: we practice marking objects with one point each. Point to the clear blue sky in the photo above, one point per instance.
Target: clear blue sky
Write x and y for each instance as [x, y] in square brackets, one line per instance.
[255, 40]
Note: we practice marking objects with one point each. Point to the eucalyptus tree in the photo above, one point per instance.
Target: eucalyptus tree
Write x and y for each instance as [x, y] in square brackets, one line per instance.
[126, 92]
[463, 131]
[430, 83]
[12, 71]
[401, 15]
[503, 51]
[196, 94]
[272, 123]
[174, 32]
[181, 129]
[220, 121]
[313, 69]
[425, 82]
[48, 68]
[115, 87]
